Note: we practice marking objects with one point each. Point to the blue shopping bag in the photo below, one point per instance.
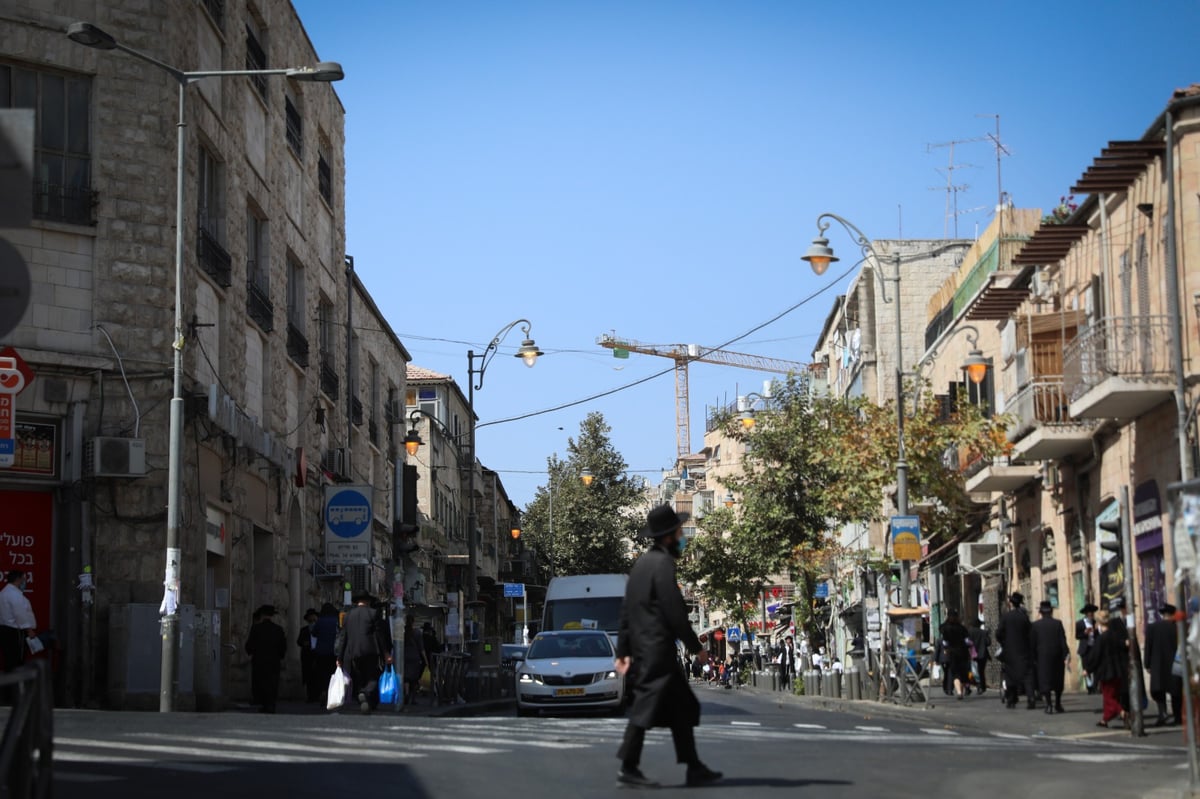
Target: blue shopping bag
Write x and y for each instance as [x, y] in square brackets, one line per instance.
[389, 688]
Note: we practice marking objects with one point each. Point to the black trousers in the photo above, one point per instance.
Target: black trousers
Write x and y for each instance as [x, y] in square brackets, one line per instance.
[684, 737]
[12, 652]
[1014, 683]
[364, 679]
[1175, 691]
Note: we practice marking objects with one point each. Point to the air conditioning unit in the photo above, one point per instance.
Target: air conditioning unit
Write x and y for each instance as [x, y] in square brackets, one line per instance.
[115, 457]
[688, 485]
[976, 558]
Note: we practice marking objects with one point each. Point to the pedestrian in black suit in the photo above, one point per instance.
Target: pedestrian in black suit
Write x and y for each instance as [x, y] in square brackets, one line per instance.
[653, 617]
[1085, 637]
[1013, 636]
[1049, 652]
[1162, 642]
[266, 645]
[364, 645]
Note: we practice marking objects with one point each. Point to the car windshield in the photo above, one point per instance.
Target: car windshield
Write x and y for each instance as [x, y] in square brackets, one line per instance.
[590, 613]
[570, 646]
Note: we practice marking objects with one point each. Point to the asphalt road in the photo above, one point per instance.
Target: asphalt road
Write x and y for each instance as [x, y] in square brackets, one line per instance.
[765, 747]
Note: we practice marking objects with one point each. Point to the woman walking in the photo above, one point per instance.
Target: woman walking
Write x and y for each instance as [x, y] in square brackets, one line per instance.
[956, 647]
[1108, 660]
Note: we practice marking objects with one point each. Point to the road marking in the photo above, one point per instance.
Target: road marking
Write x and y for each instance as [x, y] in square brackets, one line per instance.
[933, 731]
[809, 726]
[746, 723]
[871, 729]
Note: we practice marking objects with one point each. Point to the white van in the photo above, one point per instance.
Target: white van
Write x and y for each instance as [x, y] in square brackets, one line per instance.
[585, 602]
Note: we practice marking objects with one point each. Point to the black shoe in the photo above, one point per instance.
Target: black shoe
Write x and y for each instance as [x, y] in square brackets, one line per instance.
[635, 778]
[1031, 706]
[1049, 710]
[1059, 708]
[701, 774]
[1161, 721]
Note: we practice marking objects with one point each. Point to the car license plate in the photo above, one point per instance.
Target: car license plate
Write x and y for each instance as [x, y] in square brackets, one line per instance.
[568, 692]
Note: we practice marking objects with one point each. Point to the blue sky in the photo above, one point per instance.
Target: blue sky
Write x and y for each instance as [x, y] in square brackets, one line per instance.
[656, 169]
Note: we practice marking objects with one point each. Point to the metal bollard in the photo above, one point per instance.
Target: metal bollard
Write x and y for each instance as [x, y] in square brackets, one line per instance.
[854, 685]
[837, 684]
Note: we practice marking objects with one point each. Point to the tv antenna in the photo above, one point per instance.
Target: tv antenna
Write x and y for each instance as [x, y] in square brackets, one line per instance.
[951, 188]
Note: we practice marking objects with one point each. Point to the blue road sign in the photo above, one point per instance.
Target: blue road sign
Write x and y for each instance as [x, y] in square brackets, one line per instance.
[514, 589]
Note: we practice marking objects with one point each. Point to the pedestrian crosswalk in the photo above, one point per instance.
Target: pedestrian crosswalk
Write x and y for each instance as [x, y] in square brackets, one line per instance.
[232, 741]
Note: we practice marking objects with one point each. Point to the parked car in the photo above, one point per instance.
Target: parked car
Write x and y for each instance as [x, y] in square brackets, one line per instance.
[569, 670]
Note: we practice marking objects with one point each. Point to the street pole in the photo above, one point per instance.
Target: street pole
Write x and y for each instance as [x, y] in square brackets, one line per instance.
[89, 35]
[1135, 661]
[901, 461]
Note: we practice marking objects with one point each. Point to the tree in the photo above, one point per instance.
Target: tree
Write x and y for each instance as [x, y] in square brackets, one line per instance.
[595, 528]
[813, 465]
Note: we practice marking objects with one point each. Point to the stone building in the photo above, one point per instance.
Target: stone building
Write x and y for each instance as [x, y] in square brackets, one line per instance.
[287, 386]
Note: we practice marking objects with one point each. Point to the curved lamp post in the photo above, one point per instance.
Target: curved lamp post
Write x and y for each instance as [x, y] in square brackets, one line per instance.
[527, 352]
[89, 35]
[746, 409]
[820, 255]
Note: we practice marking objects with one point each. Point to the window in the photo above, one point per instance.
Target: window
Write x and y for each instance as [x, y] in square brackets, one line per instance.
[297, 330]
[256, 58]
[325, 343]
[258, 263]
[258, 272]
[295, 127]
[211, 210]
[214, 259]
[373, 399]
[324, 178]
[62, 146]
[216, 10]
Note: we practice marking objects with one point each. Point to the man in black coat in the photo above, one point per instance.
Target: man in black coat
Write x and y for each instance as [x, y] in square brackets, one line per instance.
[1049, 652]
[1162, 643]
[983, 645]
[1085, 634]
[364, 644]
[653, 617]
[1013, 636]
[266, 645]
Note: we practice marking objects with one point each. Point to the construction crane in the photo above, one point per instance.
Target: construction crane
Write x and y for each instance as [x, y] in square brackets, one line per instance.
[683, 354]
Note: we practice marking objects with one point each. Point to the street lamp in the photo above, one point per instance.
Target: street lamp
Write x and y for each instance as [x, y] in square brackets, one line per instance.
[820, 256]
[89, 35]
[528, 352]
[745, 406]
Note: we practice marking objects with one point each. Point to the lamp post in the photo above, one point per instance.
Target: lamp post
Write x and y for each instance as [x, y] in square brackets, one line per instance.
[820, 256]
[89, 35]
[528, 352]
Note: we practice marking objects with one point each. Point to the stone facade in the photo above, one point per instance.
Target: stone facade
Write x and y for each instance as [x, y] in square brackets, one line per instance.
[266, 386]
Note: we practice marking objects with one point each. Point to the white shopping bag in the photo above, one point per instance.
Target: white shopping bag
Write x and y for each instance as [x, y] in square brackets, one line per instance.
[339, 682]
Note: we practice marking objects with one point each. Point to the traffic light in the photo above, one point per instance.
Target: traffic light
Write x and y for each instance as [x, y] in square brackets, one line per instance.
[1111, 526]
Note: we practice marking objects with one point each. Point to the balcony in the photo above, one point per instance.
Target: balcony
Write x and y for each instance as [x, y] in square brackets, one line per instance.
[297, 345]
[213, 258]
[1119, 368]
[72, 204]
[259, 307]
[1044, 429]
[999, 475]
[329, 378]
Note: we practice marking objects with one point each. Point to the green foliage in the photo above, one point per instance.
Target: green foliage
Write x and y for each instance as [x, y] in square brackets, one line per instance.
[813, 465]
[594, 528]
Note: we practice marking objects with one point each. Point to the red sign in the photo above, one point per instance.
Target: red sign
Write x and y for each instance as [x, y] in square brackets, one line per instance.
[15, 375]
[718, 635]
[26, 543]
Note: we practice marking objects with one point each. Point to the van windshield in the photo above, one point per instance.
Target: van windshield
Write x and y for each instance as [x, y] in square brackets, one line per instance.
[591, 613]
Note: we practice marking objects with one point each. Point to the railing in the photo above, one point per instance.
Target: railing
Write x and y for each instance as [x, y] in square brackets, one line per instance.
[1117, 346]
[213, 258]
[259, 306]
[1041, 402]
[297, 345]
[70, 204]
[28, 745]
[329, 378]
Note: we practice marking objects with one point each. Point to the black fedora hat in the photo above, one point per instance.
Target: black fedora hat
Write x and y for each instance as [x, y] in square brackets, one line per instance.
[1045, 607]
[1167, 609]
[1017, 598]
[663, 520]
[1088, 608]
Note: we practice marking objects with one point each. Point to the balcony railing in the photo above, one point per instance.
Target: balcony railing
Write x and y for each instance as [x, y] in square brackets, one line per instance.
[1040, 402]
[71, 204]
[259, 307]
[1130, 347]
[297, 345]
[329, 378]
[213, 258]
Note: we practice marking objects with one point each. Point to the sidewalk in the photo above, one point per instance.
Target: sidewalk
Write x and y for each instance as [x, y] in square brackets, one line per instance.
[988, 713]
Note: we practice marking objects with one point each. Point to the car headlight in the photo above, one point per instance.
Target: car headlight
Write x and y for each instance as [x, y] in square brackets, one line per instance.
[609, 675]
[526, 678]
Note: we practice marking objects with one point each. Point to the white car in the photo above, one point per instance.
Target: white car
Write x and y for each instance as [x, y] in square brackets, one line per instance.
[569, 669]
